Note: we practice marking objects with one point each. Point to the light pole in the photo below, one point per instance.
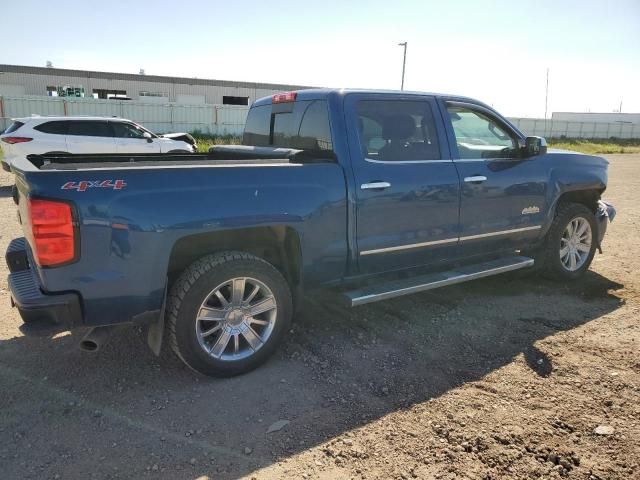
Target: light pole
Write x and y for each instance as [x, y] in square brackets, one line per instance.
[404, 61]
[546, 103]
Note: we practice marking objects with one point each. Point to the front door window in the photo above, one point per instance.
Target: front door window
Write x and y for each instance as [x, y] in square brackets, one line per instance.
[479, 136]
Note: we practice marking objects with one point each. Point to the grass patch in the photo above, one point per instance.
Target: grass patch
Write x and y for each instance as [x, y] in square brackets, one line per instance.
[611, 145]
[205, 141]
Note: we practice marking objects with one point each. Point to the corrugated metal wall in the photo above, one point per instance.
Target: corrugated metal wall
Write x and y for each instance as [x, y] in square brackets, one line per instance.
[36, 84]
[160, 118]
[229, 119]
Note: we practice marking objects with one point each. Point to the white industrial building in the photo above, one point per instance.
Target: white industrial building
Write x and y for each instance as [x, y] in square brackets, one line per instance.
[613, 117]
[17, 81]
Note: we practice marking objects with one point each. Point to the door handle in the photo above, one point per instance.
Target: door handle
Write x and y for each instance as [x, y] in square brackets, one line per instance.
[475, 178]
[375, 186]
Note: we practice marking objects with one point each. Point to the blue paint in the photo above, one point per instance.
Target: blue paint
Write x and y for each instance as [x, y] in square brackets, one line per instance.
[127, 236]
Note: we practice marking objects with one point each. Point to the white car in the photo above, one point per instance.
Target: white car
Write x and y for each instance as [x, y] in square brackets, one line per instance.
[64, 135]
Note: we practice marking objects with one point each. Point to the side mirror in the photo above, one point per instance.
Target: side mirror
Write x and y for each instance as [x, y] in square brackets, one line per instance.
[148, 136]
[535, 146]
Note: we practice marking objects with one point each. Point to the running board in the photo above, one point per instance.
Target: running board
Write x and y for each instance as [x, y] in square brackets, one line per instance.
[430, 281]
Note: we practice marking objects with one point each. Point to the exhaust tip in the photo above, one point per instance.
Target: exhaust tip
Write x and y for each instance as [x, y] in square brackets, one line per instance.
[89, 346]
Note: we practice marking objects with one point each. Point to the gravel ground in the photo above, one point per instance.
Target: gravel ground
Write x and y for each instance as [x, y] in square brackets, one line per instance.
[509, 377]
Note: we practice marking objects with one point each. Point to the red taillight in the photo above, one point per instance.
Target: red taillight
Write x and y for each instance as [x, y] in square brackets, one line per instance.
[13, 140]
[52, 232]
[284, 97]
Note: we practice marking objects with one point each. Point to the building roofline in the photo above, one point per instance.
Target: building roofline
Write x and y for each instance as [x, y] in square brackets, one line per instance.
[599, 113]
[145, 78]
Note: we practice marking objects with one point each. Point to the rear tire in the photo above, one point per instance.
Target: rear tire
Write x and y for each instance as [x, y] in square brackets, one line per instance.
[227, 313]
[570, 244]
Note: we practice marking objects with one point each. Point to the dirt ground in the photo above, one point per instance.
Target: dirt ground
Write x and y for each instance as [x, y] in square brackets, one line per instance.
[510, 377]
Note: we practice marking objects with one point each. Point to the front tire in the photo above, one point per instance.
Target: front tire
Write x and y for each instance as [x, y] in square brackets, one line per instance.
[227, 313]
[570, 244]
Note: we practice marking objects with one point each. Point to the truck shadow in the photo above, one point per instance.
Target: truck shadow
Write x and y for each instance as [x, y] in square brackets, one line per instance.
[339, 369]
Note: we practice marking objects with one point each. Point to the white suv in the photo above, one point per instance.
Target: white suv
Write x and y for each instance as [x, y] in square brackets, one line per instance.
[40, 135]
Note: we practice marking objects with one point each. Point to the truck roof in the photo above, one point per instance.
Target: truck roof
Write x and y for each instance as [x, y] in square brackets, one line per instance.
[323, 93]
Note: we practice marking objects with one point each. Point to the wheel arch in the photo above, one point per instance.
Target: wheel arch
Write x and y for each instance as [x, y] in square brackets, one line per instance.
[278, 244]
[588, 197]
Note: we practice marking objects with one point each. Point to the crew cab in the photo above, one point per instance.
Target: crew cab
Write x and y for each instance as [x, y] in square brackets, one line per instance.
[377, 193]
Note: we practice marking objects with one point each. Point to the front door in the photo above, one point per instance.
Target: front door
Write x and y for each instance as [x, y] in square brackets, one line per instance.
[502, 199]
[131, 138]
[407, 187]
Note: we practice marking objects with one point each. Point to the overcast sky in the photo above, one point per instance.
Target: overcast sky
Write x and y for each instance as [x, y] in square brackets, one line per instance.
[496, 51]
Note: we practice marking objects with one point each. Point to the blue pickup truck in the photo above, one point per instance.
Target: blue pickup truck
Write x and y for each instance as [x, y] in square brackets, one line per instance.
[379, 194]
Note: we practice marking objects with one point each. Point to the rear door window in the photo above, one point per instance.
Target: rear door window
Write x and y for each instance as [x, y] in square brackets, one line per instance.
[89, 128]
[13, 127]
[54, 128]
[303, 125]
[397, 130]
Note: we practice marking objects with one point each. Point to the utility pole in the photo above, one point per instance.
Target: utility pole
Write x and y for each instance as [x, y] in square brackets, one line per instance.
[404, 61]
[546, 103]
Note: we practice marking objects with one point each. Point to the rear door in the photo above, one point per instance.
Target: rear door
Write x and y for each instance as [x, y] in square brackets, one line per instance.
[54, 138]
[407, 186]
[502, 194]
[129, 138]
[90, 136]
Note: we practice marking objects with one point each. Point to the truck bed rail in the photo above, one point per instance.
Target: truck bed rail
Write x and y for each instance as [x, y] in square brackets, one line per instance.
[217, 155]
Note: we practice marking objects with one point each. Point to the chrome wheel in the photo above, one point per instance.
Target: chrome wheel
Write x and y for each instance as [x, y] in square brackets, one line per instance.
[236, 318]
[575, 244]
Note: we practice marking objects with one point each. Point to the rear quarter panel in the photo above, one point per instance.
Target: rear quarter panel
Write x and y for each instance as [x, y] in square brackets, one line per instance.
[127, 235]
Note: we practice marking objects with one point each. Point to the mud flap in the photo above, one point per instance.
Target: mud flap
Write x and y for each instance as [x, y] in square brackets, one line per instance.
[155, 331]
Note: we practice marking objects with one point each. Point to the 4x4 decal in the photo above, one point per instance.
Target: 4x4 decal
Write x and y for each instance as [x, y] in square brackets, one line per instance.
[84, 184]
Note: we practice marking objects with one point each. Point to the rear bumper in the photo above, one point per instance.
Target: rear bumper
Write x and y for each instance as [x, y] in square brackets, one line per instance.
[43, 313]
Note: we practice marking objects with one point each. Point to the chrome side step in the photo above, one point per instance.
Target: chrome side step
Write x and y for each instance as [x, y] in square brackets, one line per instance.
[430, 281]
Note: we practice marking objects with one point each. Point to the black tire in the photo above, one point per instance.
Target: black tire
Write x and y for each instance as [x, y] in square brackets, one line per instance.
[196, 284]
[548, 257]
[182, 152]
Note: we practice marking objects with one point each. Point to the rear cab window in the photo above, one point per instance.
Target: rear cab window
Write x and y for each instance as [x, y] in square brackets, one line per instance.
[300, 125]
[13, 127]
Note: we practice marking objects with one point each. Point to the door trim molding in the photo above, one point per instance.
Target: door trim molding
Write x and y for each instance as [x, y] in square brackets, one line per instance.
[407, 162]
[409, 246]
[501, 232]
[448, 240]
